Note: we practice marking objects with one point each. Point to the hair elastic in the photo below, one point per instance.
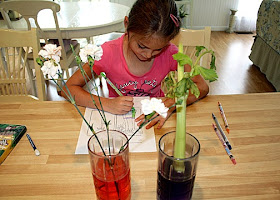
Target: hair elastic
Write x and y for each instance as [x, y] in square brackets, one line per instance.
[175, 20]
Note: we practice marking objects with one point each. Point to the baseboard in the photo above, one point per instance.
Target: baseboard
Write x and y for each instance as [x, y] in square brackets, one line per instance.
[213, 28]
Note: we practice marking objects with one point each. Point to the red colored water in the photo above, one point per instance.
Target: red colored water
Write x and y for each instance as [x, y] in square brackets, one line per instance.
[119, 189]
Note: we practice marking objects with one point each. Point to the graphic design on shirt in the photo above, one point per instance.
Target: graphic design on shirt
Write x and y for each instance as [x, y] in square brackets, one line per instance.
[138, 92]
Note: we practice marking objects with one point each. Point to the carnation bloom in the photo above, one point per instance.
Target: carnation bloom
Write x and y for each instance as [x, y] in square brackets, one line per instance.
[154, 104]
[91, 50]
[51, 52]
[50, 68]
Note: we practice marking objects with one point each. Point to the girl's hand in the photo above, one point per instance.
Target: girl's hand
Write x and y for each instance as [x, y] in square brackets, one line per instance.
[159, 120]
[120, 105]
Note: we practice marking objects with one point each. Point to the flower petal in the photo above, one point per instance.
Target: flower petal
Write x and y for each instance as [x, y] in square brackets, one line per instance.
[91, 50]
[154, 104]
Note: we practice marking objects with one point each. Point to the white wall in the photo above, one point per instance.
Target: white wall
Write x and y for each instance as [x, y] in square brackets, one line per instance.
[124, 2]
[214, 13]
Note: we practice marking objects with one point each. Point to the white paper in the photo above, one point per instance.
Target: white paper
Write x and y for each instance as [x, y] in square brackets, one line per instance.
[143, 140]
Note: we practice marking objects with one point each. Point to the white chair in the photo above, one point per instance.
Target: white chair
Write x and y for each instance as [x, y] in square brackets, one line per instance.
[192, 38]
[13, 82]
[29, 9]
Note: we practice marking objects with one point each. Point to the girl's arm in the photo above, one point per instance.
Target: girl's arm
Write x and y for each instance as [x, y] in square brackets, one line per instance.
[201, 84]
[203, 88]
[75, 84]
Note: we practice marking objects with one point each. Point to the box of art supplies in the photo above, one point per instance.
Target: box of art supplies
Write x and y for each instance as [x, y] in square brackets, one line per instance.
[10, 135]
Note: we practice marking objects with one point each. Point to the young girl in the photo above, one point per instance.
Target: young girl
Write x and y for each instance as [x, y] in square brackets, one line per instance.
[138, 61]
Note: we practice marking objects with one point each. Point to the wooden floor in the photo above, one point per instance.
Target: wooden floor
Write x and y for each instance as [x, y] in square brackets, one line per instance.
[237, 74]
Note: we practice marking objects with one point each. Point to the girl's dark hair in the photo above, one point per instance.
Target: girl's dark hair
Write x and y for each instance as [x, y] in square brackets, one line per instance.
[153, 16]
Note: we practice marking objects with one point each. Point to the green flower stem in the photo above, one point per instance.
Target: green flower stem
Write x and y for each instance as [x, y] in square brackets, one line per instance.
[72, 100]
[108, 138]
[133, 111]
[103, 116]
[78, 60]
[85, 76]
[91, 70]
[102, 110]
[148, 118]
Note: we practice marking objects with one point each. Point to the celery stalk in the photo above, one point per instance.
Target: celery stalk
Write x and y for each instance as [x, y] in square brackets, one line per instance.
[181, 89]
[180, 139]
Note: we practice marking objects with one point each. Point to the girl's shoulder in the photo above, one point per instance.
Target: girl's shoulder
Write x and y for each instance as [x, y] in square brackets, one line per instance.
[169, 51]
[166, 57]
[113, 45]
[172, 48]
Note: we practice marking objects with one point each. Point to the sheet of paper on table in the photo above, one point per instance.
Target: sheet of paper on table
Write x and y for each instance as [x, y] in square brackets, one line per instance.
[143, 141]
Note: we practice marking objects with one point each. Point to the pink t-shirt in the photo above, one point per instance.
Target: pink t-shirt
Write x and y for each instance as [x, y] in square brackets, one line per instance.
[114, 65]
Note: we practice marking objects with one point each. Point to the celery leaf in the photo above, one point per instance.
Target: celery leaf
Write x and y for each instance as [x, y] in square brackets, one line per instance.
[208, 74]
[182, 59]
[198, 50]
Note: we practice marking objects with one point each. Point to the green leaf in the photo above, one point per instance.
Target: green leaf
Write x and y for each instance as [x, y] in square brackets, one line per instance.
[169, 84]
[39, 62]
[208, 74]
[168, 81]
[90, 61]
[194, 90]
[78, 60]
[179, 101]
[183, 87]
[182, 59]
[198, 50]
[213, 60]
[187, 74]
[196, 70]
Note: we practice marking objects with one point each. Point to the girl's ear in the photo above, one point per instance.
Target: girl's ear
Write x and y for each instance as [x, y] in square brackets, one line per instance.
[125, 21]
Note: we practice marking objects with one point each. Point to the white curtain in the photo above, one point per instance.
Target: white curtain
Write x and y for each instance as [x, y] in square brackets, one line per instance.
[246, 15]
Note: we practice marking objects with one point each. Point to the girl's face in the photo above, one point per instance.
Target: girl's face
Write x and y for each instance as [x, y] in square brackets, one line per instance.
[146, 48]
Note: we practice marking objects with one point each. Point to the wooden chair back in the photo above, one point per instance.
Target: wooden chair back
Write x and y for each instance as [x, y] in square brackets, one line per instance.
[29, 9]
[192, 38]
[14, 46]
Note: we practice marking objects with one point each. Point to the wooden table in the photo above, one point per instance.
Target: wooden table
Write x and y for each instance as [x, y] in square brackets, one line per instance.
[80, 19]
[58, 173]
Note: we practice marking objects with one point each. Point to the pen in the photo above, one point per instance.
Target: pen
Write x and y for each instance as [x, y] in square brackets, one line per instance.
[221, 131]
[133, 111]
[224, 144]
[37, 153]
[223, 116]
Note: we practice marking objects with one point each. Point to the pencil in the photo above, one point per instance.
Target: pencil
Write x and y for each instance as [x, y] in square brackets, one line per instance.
[36, 151]
[133, 111]
[221, 131]
[231, 157]
[223, 116]
[111, 84]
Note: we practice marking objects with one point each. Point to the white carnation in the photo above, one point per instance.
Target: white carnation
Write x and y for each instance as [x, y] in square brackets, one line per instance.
[50, 69]
[91, 50]
[154, 104]
[51, 51]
